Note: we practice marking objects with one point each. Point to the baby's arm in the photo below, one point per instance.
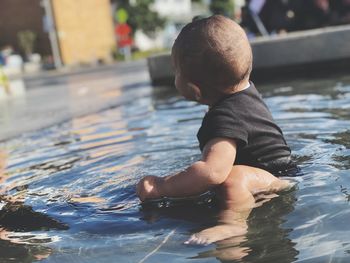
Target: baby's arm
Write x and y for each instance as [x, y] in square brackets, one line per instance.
[218, 157]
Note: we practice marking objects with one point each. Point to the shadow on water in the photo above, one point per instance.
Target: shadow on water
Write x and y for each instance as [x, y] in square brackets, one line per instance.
[22, 218]
[12, 252]
[68, 192]
[18, 240]
[17, 220]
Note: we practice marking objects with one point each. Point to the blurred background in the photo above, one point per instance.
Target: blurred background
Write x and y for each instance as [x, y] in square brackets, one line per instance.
[40, 35]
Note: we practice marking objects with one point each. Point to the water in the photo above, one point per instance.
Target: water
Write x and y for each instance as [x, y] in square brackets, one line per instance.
[68, 193]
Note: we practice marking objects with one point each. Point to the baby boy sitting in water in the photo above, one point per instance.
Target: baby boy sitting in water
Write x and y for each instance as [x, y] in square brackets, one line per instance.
[242, 147]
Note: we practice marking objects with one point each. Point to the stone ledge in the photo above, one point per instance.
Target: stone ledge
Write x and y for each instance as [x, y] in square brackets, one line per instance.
[293, 54]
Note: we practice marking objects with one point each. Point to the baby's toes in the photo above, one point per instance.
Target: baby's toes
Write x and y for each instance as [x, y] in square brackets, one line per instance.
[282, 185]
[197, 240]
[262, 198]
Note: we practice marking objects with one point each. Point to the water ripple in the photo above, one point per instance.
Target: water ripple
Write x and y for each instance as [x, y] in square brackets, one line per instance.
[81, 176]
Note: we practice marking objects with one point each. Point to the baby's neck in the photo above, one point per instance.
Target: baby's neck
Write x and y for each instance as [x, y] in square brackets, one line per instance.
[241, 86]
[244, 84]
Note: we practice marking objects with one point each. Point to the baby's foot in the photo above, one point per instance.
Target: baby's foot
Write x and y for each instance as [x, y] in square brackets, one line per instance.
[281, 185]
[198, 239]
[216, 233]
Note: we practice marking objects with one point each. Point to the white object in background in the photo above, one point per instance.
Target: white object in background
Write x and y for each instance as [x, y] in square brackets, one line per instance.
[31, 67]
[35, 58]
[3, 93]
[173, 8]
[16, 89]
[14, 65]
[144, 42]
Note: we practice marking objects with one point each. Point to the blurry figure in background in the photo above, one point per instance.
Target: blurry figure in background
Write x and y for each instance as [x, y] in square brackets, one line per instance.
[6, 51]
[263, 17]
[341, 11]
[277, 16]
[13, 62]
[250, 20]
[310, 14]
[123, 33]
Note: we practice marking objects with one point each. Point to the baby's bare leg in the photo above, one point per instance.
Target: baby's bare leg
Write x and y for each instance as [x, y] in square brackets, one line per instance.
[238, 196]
[245, 182]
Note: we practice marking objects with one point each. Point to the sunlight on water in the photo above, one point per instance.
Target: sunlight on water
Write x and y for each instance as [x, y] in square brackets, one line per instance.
[68, 192]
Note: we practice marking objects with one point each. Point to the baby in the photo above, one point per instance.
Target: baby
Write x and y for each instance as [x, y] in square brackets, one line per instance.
[243, 150]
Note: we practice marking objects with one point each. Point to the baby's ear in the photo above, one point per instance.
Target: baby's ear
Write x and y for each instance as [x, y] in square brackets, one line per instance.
[195, 90]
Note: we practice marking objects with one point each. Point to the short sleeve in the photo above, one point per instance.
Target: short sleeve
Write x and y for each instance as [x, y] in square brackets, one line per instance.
[222, 122]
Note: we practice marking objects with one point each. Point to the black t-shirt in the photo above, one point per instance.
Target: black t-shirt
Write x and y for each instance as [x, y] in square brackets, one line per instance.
[245, 118]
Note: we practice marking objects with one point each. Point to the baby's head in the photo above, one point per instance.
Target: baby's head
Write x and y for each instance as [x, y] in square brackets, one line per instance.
[211, 56]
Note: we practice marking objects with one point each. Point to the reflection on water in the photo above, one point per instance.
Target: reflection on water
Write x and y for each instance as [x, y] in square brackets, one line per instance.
[17, 220]
[68, 192]
[264, 224]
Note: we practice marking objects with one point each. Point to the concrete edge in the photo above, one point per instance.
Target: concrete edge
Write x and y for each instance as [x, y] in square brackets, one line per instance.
[325, 50]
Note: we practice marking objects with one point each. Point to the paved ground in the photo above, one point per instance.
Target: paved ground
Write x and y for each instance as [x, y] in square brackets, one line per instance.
[56, 97]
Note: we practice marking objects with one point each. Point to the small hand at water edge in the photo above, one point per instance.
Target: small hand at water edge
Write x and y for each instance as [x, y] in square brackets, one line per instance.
[148, 187]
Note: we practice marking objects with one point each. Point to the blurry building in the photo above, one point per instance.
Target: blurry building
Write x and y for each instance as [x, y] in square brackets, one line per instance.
[19, 15]
[75, 32]
[84, 30]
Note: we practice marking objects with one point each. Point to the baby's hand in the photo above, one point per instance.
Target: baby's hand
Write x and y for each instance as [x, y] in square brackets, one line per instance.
[148, 187]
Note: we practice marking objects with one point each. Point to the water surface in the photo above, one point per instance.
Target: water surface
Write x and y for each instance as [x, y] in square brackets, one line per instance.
[68, 192]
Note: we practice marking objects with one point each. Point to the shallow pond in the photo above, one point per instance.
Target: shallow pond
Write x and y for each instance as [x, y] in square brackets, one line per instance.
[68, 192]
